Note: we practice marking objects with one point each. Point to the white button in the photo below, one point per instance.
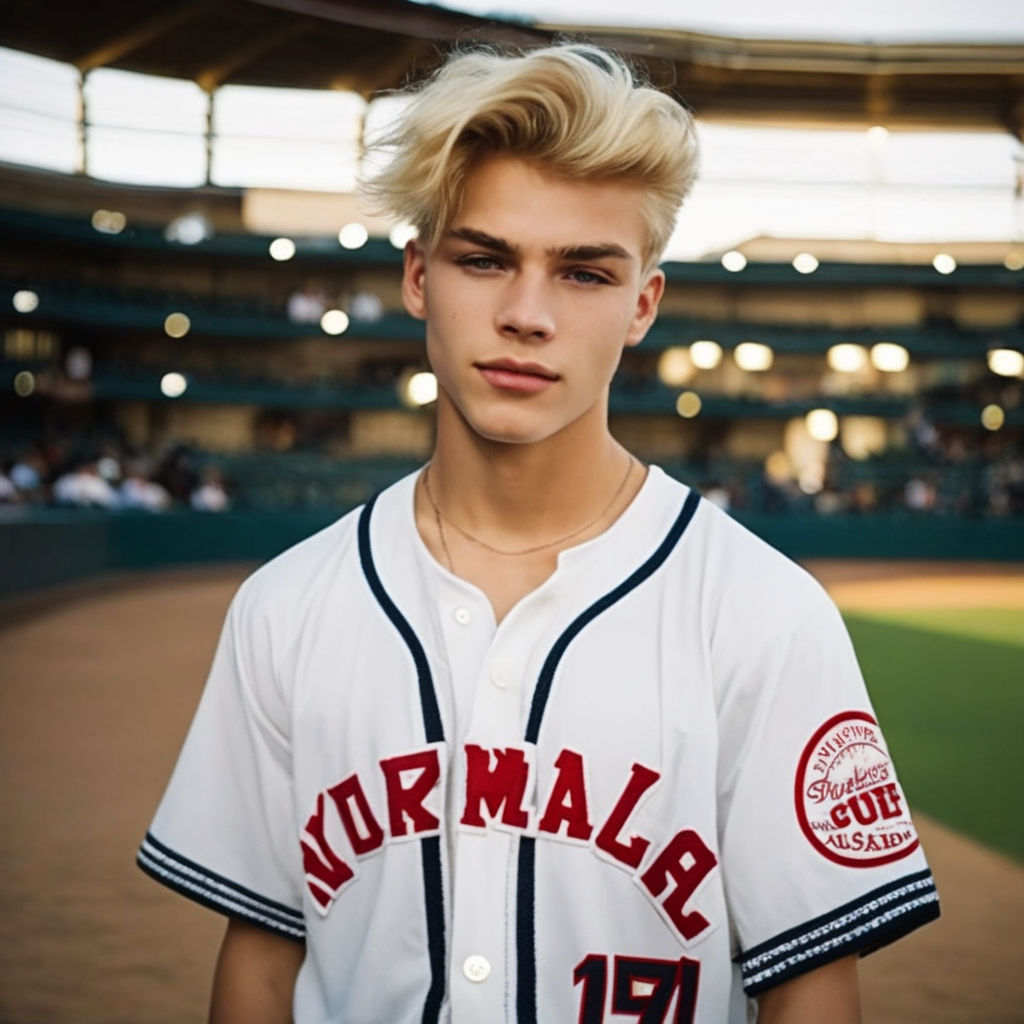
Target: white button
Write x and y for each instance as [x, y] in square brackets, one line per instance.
[462, 616]
[476, 967]
[498, 679]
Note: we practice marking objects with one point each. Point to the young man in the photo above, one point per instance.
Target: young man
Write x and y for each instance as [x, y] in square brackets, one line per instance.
[537, 735]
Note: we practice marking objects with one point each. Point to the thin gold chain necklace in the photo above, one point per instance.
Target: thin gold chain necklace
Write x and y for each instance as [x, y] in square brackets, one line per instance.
[441, 518]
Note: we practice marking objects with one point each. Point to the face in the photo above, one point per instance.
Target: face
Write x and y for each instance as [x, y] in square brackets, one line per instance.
[529, 298]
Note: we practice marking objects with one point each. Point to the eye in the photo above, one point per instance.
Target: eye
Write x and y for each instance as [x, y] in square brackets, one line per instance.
[589, 277]
[478, 261]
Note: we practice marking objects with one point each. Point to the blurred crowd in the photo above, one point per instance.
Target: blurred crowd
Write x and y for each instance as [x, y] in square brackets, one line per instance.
[936, 474]
[54, 473]
[939, 475]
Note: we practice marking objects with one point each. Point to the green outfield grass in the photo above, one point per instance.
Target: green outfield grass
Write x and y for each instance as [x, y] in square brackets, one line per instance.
[948, 687]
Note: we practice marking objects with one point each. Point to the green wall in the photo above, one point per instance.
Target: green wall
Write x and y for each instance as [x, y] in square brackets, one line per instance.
[48, 547]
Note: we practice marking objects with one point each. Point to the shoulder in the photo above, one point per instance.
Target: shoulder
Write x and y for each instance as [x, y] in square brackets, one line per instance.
[762, 616]
[322, 570]
[300, 569]
[747, 595]
[744, 572]
[731, 567]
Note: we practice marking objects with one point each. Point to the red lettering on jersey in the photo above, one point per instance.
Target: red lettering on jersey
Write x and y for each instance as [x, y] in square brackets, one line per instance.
[501, 789]
[686, 861]
[348, 796]
[866, 808]
[568, 800]
[889, 801]
[326, 872]
[406, 802]
[630, 853]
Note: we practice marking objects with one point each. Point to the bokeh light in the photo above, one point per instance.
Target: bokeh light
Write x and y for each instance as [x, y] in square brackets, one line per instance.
[993, 417]
[353, 236]
[24, 384]
[706, 354]
[734, 261]
[778, 467]
[177, 325]
[282, 249]
[109, 222]
[1007, 362]
[822, 424]
[753, 356]
[847, 358]
[688, 404]
[675, 367]
[334, 321]
[805, 263]
[400, 234]
[889, 357]
[173, 385]
[25, 300]
[421, 388]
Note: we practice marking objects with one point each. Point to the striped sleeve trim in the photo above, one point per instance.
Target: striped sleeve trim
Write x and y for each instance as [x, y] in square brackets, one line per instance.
[212, 890]
[861, 926]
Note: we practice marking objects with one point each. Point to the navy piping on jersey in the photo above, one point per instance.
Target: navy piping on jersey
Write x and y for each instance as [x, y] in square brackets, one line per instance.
[430, 847]
[203, 886]
[860, 926]
[428, 698]
[526, 948]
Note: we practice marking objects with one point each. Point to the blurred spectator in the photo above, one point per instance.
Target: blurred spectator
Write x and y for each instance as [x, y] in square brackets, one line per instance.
[138, 491]
[8, 492]
[176, 473]
[306, 306]
[28, 473]
[864, 499]
[718, 495]
[829, 502]
[108, 465]
[919, 495]
[1004, 487]
[210, 495]
[82, 486]
[366, 307]
[923, 435]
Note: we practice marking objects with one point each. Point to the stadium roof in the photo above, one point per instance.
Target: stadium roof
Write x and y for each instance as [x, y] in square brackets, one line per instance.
[368, 45]
[363, 45]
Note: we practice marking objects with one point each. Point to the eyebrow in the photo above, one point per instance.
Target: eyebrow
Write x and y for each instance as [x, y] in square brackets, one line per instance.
[484, 240]
[585, 253]
[582, 253]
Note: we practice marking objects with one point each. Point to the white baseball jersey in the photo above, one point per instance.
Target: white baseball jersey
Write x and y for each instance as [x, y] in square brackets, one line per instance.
[656, 789]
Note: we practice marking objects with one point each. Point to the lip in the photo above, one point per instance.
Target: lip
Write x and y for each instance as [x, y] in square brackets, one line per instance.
[513, 375]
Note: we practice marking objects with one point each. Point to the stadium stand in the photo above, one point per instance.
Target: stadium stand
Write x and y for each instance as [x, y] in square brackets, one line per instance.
[127, 351]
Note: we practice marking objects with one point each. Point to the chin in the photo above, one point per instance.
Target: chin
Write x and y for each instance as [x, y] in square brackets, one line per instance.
[510, 435]
[506, 426]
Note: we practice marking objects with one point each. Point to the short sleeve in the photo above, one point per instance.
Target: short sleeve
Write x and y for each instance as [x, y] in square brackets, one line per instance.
[820, 857]
[224, 833]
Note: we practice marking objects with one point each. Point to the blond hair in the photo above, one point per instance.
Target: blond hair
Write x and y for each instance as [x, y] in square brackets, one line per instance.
[576, 110]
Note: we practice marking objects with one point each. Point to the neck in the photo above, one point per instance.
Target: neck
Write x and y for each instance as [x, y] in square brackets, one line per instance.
[520, 494]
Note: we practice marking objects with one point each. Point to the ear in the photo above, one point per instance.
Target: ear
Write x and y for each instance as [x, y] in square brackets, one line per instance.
[414, 268]
[646, 308]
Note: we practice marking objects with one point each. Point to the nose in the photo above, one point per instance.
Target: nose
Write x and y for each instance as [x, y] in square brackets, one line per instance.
[525, 310]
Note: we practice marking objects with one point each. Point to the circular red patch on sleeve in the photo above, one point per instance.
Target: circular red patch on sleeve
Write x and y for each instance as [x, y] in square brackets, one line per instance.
[848, 802]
